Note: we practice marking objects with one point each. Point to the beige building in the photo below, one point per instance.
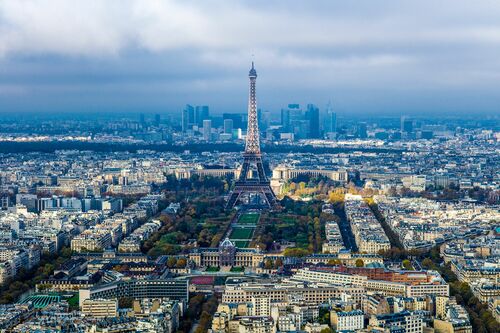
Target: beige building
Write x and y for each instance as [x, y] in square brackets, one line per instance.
[452, 326]
[100, 308]
[347, 321]
[91, 241]
[254, 325]
[220, 322]
[346, 258]
[283, 292]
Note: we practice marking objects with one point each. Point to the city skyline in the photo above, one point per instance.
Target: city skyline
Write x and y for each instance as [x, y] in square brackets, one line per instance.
[249, 167]
[382, 58]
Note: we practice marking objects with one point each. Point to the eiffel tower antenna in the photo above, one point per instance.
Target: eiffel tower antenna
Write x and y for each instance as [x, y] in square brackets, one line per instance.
[252, 157]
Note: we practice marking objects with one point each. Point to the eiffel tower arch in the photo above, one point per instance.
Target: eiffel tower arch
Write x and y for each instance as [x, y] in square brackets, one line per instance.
[246, 186]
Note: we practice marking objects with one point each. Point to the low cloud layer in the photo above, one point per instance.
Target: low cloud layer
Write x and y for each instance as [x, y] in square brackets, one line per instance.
[135, 55]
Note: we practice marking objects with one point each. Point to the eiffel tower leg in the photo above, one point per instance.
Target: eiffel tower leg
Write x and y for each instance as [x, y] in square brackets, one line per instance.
[244, 170]
[270, 197]
[260, 170]
[232, 200]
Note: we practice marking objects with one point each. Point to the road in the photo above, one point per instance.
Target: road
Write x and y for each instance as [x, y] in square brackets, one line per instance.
[345, 230]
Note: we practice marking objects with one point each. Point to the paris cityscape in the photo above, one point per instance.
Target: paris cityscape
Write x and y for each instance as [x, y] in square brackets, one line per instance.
[244, 206]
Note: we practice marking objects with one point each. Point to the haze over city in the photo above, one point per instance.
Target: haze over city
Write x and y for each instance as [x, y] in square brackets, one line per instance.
[367, 57]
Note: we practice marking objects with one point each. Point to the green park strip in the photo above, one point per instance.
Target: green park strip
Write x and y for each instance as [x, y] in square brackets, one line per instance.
[241, 233]
[248, 219]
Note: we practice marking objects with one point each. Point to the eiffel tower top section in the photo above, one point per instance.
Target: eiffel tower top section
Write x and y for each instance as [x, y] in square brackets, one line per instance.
[253, 142]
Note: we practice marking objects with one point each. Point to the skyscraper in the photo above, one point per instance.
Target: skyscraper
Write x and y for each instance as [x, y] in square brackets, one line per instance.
[228, 126]
[331, 119]
[312, 116]
[361, 131]
[187, 117]
[406, 125]
[285, 118]
[239, 119]
[265, 120]
[207, 129]
[202, 113]
[289, 115]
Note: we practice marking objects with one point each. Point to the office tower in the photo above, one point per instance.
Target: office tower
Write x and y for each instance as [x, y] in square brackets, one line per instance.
[252, 158]
[361, 131]
[207, 129]
[331, 119]
[291, 113]
[201, 114]
[187, 114]
[142, 119]
[239, 119]
[333, 122]
[406, 125]
[265, 120]
[157, 119]
[228, 126]
[312, 116]
[285, 118]
[296, 113]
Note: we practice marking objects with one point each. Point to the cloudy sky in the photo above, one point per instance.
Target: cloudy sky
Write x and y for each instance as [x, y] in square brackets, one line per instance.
[439, 56]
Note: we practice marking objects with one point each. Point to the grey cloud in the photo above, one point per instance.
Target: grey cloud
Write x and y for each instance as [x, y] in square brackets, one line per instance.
[162, 54]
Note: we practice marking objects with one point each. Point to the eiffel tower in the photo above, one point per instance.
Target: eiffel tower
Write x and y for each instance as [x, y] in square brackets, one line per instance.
[252, 158]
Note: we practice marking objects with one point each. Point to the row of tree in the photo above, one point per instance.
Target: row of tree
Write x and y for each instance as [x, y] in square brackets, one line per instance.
[481, 318]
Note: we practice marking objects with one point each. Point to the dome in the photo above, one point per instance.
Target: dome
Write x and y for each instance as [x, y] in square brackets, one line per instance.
[227, 243]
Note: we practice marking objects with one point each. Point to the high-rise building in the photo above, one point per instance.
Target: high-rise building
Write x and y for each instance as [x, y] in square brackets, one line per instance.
[207, 129]
[201, 113]
[289, 115]
[142, 119]
[157, 119]
[406, 125]
[187, 117]
[312, 116]
[331, 119]
[228, 126]
[361, 131]
[265, 120]
[285, 118]
[239, 119]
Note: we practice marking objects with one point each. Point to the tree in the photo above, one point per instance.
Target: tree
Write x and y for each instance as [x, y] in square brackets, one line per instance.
[278, 263]
[181, 263]
[125, 302]
[171, 262]
[407, 265]
[428, 264]
[268, 264]
[360, 263]
[295, 252]
[334, 262]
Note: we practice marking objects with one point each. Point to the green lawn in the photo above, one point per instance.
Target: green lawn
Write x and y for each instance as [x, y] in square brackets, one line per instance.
[241, 244]
[248, 219]
[241, 233]
[288, 219]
